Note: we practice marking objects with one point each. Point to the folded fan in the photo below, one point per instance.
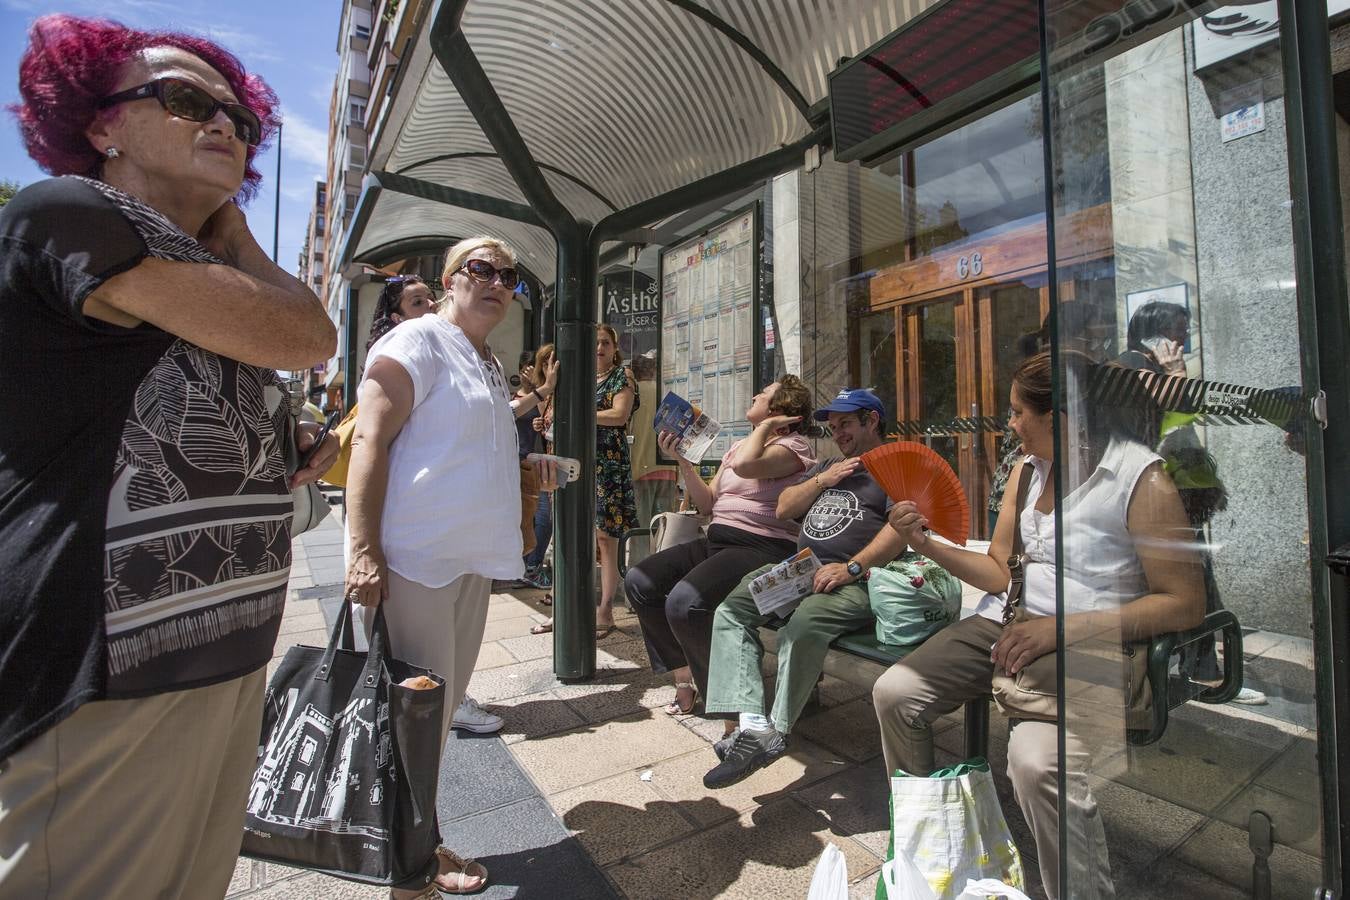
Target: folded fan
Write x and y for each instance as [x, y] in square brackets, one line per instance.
[910, 471]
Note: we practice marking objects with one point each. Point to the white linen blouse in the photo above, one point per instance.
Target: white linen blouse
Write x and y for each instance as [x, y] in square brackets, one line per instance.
[1102, 570]
[452, 506]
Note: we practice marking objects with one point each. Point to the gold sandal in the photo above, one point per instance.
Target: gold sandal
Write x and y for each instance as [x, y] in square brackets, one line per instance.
[462, 870]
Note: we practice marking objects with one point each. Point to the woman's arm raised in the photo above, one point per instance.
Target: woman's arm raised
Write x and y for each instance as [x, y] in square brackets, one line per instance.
[249, 310]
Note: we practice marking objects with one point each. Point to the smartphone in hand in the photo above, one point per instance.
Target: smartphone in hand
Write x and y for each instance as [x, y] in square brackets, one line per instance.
[318, 441]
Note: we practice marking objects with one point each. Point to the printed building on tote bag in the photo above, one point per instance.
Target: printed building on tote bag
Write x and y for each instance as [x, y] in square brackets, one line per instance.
[289, 788]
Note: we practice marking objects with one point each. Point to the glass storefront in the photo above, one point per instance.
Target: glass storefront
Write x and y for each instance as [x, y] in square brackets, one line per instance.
[932, 275]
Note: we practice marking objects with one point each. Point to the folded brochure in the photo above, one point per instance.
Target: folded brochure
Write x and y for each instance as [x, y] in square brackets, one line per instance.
[695, 428]
[782, 587]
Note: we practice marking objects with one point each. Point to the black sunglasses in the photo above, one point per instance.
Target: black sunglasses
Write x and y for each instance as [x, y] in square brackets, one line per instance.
[187, 101]
[483, 271]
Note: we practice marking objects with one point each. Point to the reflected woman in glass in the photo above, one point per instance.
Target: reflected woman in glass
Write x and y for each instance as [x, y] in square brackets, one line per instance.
[1130, 572]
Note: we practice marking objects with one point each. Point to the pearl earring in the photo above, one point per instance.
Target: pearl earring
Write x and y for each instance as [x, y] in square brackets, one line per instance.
[112, 153]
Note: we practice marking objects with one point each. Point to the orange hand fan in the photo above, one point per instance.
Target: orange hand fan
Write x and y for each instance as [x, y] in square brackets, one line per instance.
[910, 471]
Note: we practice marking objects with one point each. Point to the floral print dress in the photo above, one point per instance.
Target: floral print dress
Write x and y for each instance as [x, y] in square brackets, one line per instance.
[615, 506]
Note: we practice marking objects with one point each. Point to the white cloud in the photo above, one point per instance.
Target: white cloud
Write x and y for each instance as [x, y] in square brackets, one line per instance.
[303, 142]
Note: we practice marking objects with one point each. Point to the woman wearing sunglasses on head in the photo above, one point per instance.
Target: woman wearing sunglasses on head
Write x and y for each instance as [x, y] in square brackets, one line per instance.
[433, 492]
[145, 531]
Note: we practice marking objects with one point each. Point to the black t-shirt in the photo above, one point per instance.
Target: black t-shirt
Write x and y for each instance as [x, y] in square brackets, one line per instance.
[845, 518]
[144, 514]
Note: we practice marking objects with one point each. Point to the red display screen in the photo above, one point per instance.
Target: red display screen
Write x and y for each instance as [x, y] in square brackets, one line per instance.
[935, 70]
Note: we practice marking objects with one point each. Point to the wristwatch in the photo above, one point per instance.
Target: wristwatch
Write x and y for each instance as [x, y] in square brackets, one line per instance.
[855, 569]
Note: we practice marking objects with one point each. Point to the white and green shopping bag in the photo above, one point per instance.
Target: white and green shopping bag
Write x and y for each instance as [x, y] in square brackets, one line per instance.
[951, 828]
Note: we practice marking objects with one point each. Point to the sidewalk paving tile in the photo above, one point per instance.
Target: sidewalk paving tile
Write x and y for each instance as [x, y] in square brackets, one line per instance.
[573, 758]
[478, 773]
[618, 817]
[1193, 768]
[1222, 851]
[528, 854]
[534, 716]
[768, 852]
[491, 655]
[291, 624]
[681, 779]
[515, 627]
[490, 685]
[1140, 829]
[855, 802]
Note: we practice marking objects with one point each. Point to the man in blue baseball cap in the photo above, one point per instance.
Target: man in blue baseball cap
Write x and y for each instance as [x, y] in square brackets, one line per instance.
[842, 510]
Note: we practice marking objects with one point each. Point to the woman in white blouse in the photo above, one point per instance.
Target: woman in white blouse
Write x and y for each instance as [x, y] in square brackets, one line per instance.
[433, 495]
[1130, 572]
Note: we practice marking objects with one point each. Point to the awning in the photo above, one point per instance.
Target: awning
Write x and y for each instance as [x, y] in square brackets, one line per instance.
[617, 101]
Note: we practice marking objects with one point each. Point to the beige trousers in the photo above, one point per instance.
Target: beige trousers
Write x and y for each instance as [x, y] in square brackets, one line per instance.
[953, 667]
[133, 798]
[440, 629]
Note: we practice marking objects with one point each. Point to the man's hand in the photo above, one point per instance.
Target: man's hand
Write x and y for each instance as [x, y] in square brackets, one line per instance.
[1169, 356]
[839, 471]
[1022, 643]
[323, 458]
[830, 577]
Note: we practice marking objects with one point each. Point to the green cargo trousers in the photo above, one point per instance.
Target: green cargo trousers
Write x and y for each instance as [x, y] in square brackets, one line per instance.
[735, 684]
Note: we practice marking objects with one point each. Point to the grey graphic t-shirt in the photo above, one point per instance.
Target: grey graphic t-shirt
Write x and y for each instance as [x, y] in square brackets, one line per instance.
[845, 518]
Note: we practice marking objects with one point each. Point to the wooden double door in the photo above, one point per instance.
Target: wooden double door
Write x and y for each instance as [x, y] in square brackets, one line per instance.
[945, 365]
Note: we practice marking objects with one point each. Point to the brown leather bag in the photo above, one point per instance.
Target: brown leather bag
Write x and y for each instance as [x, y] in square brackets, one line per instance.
[1103, 672]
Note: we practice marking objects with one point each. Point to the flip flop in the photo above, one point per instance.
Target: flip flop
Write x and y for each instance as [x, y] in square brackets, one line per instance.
[602, 631]
[545, 628]
[674, 709]
[546, 600]
[464, 871]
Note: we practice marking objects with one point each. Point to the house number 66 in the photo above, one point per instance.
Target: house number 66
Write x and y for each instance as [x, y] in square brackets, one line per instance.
[970, 266]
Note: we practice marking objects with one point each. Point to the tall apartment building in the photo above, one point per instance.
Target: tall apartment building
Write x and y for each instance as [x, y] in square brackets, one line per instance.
[370, 40]
[311, 268]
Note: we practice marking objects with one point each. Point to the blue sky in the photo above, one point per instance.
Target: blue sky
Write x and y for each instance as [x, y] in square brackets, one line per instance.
[290, 43]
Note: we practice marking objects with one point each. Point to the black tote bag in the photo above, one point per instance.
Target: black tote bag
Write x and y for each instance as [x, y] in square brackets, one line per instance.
[347, 764]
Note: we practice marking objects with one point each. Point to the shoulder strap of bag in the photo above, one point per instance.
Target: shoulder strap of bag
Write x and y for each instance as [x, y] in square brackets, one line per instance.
[1016, 586]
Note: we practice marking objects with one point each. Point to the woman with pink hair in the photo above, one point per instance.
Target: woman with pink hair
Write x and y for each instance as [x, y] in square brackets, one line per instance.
[145, 540]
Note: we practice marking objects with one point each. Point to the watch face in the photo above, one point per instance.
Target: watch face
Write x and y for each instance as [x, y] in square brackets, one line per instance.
[855, 568]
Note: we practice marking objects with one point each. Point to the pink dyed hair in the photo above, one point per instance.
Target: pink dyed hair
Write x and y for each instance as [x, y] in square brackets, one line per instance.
[71, 63]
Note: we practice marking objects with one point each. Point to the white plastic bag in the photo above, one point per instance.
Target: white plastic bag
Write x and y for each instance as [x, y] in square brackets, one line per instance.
[979, 889]
[949, 828]
[903, 880]
[830, 881]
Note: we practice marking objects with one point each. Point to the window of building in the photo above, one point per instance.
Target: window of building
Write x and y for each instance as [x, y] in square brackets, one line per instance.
[361, 31]
[356, 155]
[318, 225]
[357, 111]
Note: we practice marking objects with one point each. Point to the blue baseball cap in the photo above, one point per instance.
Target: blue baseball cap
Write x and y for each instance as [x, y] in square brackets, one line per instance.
[847, 401]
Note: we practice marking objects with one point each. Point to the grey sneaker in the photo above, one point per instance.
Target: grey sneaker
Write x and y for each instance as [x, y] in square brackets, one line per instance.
[749, 751]
[469, 716]
[722, 746]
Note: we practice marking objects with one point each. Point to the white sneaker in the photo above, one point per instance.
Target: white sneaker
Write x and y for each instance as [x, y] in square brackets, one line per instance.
[472, 717]
[1249, 697]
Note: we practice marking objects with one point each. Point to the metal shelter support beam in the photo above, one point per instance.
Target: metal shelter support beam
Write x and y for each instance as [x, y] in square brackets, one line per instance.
[430, 190]
[1324, 323]
[574, 311]
[575, 308]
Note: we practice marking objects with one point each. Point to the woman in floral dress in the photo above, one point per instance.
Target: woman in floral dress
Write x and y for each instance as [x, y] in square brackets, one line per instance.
[615, 506]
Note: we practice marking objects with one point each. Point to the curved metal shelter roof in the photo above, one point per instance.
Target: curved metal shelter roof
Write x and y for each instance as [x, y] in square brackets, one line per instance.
[616, 101]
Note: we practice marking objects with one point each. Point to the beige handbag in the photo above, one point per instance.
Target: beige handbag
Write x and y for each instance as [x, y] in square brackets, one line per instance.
[672, 528]
[1105, 673]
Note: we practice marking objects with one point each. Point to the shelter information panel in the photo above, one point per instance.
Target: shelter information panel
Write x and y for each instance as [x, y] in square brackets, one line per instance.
[708, 336]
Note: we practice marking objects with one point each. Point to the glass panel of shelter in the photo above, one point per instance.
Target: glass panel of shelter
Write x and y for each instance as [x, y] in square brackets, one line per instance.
[1201, 288]
[1145, 212]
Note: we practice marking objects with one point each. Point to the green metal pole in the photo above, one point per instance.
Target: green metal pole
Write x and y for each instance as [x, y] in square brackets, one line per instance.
[1324, 326]
[349, 378]
[574, 436]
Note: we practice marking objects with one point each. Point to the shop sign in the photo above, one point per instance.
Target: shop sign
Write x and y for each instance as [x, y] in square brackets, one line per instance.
[1244, 112]
[631, 303]
[1230, 30]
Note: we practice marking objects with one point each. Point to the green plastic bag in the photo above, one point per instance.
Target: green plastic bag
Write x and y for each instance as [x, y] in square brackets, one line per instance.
[912, 598]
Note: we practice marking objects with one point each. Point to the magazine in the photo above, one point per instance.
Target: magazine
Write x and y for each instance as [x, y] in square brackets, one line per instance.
[780, 589]
[695, 428]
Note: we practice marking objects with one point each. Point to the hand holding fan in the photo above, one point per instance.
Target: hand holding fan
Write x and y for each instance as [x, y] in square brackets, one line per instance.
[910, 471]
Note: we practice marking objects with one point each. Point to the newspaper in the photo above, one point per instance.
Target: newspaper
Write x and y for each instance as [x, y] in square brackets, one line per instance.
[695, 428]
[780, 589]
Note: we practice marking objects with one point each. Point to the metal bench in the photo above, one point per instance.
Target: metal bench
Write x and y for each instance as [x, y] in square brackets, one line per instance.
[1168, 690]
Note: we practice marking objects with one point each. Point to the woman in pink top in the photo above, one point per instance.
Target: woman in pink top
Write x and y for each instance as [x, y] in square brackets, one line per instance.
[675, 592]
